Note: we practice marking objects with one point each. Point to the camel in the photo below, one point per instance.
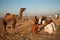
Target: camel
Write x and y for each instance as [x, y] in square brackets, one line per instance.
[21, 12]
[9, 19]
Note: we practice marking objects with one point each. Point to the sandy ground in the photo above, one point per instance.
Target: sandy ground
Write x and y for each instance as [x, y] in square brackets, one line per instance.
[23, 32]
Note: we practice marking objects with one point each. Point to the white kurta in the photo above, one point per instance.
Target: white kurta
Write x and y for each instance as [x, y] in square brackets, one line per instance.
[50, 28]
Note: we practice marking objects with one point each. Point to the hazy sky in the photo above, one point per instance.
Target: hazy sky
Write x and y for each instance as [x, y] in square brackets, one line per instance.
[33, 7]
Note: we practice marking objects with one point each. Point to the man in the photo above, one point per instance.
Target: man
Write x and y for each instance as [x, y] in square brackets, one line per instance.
[50, 27]
[42, 20]
[36, 20]
[35, 27]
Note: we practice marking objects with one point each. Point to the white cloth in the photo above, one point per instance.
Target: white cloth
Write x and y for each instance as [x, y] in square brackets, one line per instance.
[43, 22]
[56, 16]
[39, 22]
[50, 28]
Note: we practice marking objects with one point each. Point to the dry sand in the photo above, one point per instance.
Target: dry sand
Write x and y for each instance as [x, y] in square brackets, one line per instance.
[23, 31]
